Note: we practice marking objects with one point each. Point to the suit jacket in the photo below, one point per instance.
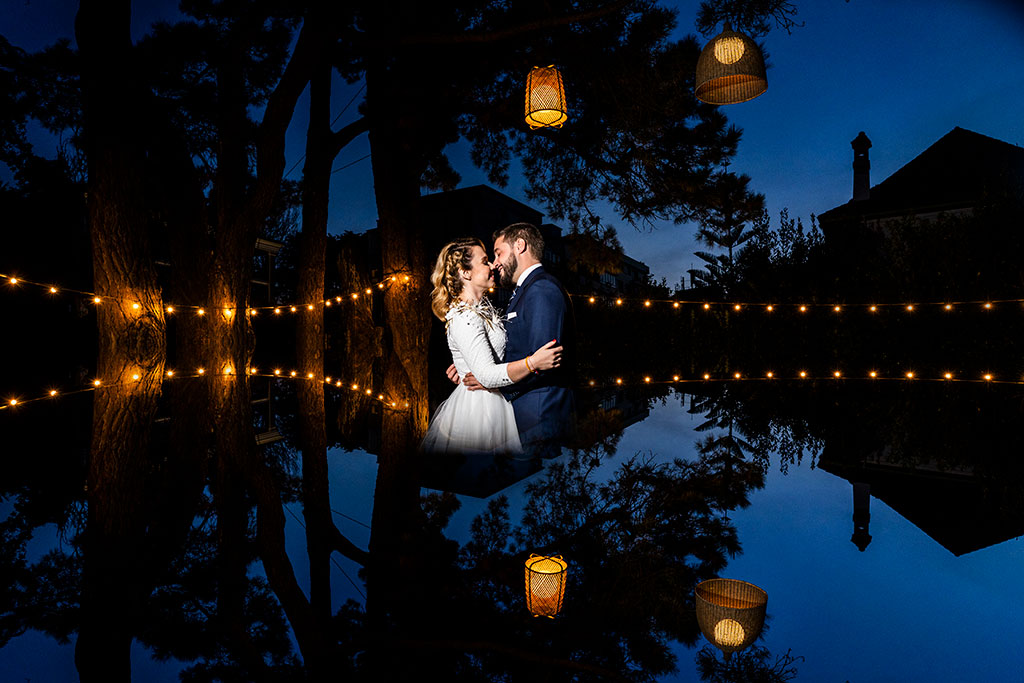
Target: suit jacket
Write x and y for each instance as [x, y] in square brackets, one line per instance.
[543, 402]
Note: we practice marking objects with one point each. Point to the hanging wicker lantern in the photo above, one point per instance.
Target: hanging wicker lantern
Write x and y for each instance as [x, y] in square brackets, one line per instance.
[545, 98]
[545, 584]
[730, 613]
[730, 69]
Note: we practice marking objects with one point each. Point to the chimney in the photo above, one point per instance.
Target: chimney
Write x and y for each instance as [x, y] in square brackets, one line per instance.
[861, 167]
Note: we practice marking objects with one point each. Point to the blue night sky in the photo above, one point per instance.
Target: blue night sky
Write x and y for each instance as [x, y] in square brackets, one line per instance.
[904, 72]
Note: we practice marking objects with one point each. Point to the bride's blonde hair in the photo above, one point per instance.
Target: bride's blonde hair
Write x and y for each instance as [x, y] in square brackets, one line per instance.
[454, 258]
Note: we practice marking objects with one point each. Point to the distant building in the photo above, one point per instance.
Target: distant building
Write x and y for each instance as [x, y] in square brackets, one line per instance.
[959, 172]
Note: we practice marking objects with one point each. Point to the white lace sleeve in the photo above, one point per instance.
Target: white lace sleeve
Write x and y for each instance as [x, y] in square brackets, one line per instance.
[466, 332]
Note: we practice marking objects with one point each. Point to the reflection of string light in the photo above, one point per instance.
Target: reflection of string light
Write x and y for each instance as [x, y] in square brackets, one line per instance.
[227, 371]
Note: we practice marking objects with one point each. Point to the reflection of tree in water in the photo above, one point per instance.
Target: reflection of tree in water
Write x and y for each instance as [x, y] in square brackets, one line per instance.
[759, 423]
[753, 665]
[637, 542]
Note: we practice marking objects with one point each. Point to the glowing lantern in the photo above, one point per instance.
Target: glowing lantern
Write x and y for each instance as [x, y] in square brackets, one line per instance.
[545, 584]
[545, 98]
[730, 69]
[730, 613]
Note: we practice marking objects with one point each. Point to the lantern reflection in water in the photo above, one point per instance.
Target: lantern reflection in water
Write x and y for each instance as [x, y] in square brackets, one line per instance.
[730, 613]
[545, 584]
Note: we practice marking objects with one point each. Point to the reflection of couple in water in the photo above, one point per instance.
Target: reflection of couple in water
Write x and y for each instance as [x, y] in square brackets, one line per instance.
[513, 394]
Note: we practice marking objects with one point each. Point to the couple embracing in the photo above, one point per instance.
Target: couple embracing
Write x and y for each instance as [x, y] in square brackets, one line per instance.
[514, 383]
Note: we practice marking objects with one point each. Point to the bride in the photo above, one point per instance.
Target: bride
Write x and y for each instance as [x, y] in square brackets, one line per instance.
[477, 422]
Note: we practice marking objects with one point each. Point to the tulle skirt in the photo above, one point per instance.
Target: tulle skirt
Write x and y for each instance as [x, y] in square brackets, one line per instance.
[473, 422]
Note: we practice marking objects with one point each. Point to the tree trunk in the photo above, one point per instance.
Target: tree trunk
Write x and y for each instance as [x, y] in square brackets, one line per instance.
[131, 346]
[310, 351]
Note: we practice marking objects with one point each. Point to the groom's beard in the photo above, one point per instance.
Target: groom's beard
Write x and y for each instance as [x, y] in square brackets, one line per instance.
[508, 272]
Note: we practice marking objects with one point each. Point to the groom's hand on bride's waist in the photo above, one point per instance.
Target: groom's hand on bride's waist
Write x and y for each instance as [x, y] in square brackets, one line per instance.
[471, 383]
[452, 373]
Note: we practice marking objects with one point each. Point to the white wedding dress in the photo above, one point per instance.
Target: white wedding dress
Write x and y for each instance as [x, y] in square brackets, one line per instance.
[482, 421]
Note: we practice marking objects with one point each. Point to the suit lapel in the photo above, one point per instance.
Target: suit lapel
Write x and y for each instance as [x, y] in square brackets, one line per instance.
[530, 279]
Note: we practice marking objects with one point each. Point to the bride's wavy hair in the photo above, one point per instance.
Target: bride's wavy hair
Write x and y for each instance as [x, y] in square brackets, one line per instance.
[454, 258]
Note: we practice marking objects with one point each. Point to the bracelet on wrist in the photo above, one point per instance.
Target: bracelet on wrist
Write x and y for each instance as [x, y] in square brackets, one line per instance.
[527, 361]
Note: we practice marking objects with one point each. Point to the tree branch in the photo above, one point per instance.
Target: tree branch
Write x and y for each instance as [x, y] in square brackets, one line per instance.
[340, 543]
[526, 655]
[505, 34]
[347, 134]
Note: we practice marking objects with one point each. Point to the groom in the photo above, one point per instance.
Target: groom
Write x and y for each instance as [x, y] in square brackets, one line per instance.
[538, 312]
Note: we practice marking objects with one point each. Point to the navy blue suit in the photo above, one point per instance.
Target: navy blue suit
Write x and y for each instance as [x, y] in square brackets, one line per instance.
[543, 403]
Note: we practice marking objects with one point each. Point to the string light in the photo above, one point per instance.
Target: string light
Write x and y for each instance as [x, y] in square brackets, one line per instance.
[53, 288]
[803, 308]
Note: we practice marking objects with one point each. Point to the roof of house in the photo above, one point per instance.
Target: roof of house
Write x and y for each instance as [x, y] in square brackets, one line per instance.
[959, 169]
